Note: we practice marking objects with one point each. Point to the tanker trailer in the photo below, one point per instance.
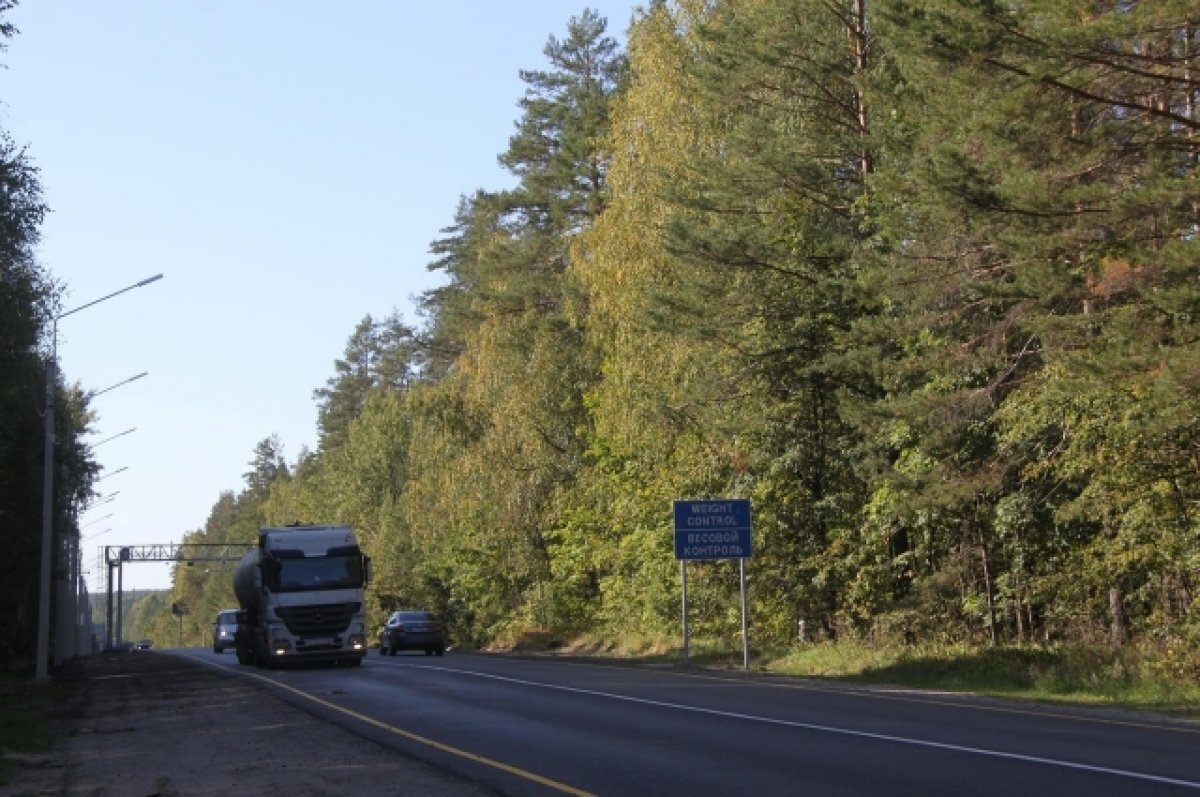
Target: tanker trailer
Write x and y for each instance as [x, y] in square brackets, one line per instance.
[300, 597]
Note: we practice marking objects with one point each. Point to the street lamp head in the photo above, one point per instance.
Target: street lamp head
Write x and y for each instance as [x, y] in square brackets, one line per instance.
[114, 437]
[102, 500]
[118, 384]
[146, 281]
[112, 473]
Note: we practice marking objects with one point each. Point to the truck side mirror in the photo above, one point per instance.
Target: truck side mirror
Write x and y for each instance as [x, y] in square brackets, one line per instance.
[367, 570]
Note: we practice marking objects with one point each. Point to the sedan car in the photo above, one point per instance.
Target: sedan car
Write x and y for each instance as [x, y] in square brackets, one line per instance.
[412, 630]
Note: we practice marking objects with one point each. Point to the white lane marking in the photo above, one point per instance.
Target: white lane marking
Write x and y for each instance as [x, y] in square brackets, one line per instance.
[883, 737]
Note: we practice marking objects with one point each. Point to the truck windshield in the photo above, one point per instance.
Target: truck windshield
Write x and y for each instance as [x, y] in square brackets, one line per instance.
[321, 572]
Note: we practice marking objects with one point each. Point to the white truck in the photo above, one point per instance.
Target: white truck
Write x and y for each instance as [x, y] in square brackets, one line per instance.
[300, 597]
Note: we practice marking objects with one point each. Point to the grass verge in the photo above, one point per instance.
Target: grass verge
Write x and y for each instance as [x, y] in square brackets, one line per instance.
[1127, 678]
[1135, 678]
[25, 725]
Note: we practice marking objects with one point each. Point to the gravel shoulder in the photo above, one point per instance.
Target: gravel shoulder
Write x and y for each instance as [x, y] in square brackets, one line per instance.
[157, 725]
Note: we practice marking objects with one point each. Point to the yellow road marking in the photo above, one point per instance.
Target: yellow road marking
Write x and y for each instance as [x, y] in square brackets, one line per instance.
[491, 762]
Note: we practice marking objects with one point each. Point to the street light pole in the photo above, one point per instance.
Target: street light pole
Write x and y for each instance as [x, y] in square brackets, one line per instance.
[41, 671]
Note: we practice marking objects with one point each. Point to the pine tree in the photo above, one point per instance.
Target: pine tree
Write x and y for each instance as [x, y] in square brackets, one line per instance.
[267, 466]
[512, 317]
[1031, 240]
[770, 222]
[379, 356]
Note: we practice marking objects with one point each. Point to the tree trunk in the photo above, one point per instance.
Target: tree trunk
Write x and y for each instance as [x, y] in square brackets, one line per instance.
[1119, 630]
[987, 585]
[1018, 567]
[859, 38]
[1017, 606]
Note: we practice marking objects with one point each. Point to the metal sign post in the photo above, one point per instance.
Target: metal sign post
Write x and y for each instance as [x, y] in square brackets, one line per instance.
[683, 580]
[179, 610]
[745, 631]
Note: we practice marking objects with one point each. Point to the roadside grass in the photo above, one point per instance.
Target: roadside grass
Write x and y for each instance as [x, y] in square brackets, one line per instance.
[1137, 678]
[1133, 678]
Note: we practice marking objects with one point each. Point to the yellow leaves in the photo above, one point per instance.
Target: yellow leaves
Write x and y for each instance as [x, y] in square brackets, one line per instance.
[1114, 276]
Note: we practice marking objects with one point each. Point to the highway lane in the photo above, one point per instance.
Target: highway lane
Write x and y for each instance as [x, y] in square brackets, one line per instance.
[536, 726]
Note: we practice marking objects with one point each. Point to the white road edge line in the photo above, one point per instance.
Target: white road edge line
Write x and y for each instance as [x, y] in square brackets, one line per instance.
[1054, 762]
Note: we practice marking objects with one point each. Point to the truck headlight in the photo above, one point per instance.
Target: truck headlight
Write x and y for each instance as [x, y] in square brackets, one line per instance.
[357, 642]
[281, 646]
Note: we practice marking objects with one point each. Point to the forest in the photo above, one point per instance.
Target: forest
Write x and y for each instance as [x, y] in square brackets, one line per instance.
[919, 278]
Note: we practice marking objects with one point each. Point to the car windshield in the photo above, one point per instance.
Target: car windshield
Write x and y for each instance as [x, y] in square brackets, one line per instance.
[227, 618]
[413, 617]
[320, 572]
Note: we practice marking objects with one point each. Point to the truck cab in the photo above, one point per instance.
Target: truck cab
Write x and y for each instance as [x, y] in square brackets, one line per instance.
[301, 597]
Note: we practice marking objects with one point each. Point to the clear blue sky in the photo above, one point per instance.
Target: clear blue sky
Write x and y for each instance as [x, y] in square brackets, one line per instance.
[285, 165]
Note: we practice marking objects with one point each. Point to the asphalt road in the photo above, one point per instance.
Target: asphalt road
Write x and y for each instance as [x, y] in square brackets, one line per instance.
[532, 726]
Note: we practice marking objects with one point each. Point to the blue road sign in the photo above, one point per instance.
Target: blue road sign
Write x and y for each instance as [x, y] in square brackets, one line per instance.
[713, 529]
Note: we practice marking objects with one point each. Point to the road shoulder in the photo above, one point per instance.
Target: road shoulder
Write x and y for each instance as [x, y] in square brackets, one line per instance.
[157, 724]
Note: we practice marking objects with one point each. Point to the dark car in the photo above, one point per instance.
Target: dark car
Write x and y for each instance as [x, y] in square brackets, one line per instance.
[143, 644]
[224, 627]
[412, 630]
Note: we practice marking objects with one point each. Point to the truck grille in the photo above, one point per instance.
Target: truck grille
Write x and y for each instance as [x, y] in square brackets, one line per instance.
[326, 619]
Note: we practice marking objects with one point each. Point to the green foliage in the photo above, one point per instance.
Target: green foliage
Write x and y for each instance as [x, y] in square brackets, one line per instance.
[917, 277]
[28, 306]
[380, 355]
[1006, 248]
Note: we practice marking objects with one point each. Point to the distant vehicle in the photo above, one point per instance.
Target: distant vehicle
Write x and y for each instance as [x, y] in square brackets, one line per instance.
[224, 628]
[143, 644]
[412, 630]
